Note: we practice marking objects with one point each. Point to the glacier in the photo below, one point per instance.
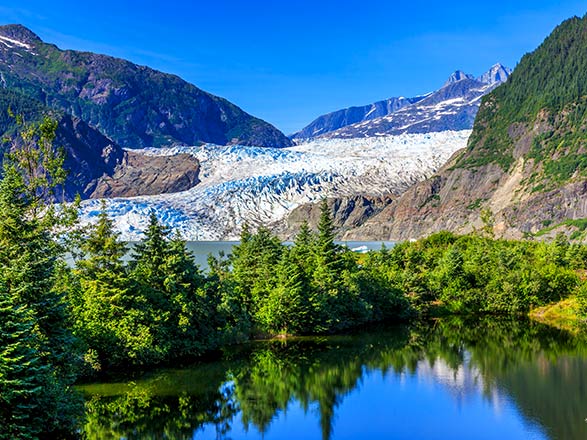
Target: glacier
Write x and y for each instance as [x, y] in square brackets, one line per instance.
[261, 186]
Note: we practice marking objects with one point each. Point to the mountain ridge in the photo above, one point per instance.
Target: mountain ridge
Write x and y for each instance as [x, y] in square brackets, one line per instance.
[91, 159]
[378, 119]
[136, 106]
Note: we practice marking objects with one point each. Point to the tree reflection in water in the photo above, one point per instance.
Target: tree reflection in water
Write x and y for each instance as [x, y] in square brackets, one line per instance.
[543, 371]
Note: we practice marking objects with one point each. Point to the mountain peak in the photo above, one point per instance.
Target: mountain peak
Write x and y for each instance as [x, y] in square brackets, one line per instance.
[457, 76]
[19, 33]
[497, 73]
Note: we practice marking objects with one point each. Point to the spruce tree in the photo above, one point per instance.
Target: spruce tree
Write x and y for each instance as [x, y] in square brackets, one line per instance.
[287, 309]
[105, 296]
[22, 373]
[191, 323]
[149, 255]
[37, 340]
[302, 250]
[326, 276]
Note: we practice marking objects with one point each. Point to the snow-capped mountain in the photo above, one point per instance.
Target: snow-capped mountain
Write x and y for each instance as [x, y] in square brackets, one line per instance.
[341, 118]
[452, 107]
[497, 74]
[261, 186]
[457, 76]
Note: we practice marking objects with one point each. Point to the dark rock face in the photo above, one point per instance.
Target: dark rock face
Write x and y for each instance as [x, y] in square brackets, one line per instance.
[347, 213]
[88, 156]
[139, 175]
[133, 105]
[96, 165]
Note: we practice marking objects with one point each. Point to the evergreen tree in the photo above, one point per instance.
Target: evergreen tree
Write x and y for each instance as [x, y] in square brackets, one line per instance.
[104, 294]
[287, 308]
[327, 297]
[28, 273]
[191, 305]
[253, 269]
[151, 305]
[149, 256]
[170, 294]
[22, 373]
[302, 250]
[28, 258]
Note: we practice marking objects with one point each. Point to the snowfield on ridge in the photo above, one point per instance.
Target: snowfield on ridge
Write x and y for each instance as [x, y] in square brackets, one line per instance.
[261, 186]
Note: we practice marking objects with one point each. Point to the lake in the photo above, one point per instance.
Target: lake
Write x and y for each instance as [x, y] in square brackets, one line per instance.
[201, 249]
[445, 379]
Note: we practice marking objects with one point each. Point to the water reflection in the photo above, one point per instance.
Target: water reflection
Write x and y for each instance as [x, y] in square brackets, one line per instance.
[448, 379]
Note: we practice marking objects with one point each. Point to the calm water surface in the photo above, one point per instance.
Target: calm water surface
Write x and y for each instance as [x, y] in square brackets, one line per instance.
[448, 379]
[201, 249]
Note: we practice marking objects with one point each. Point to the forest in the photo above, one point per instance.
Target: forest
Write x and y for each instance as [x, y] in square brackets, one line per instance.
[117, 307]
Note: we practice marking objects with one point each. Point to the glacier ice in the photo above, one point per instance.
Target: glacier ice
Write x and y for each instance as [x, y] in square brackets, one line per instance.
[261, 186]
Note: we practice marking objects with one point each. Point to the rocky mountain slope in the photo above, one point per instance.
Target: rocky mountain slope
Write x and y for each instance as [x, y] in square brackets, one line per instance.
[524, 171]
[93, 160]
[452, 107]
[141, 175]
[133, 105]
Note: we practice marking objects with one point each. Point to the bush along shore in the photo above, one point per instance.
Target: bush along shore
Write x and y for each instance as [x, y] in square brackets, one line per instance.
[62, 323]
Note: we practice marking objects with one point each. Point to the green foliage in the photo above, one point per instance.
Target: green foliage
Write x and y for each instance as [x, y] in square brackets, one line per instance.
[103, 296]
[548, 89]
[475, 205]
[33, 400]
[473, 274]
[157, 308]
[38, 354]
[314, 286]
[579, 223]
[582, 301]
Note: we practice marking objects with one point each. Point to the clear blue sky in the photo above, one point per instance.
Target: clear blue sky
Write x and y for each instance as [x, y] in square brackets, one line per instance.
[290, 61]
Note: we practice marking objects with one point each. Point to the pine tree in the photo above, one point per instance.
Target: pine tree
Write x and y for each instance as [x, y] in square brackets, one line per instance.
[173, 301]
[328, 255]
[29, 260]
[253, 268]
[105, 295]
[38, 356]
[190, 326]
[22, 373]
[326, 276]
[287, 309]
[149, 255]
[302, 250]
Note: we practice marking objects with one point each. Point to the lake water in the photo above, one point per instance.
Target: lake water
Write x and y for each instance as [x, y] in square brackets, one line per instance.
[448, 379]
[201, 249]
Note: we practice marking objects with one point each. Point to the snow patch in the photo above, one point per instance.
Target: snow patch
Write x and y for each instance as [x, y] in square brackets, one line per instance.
[11, 43]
